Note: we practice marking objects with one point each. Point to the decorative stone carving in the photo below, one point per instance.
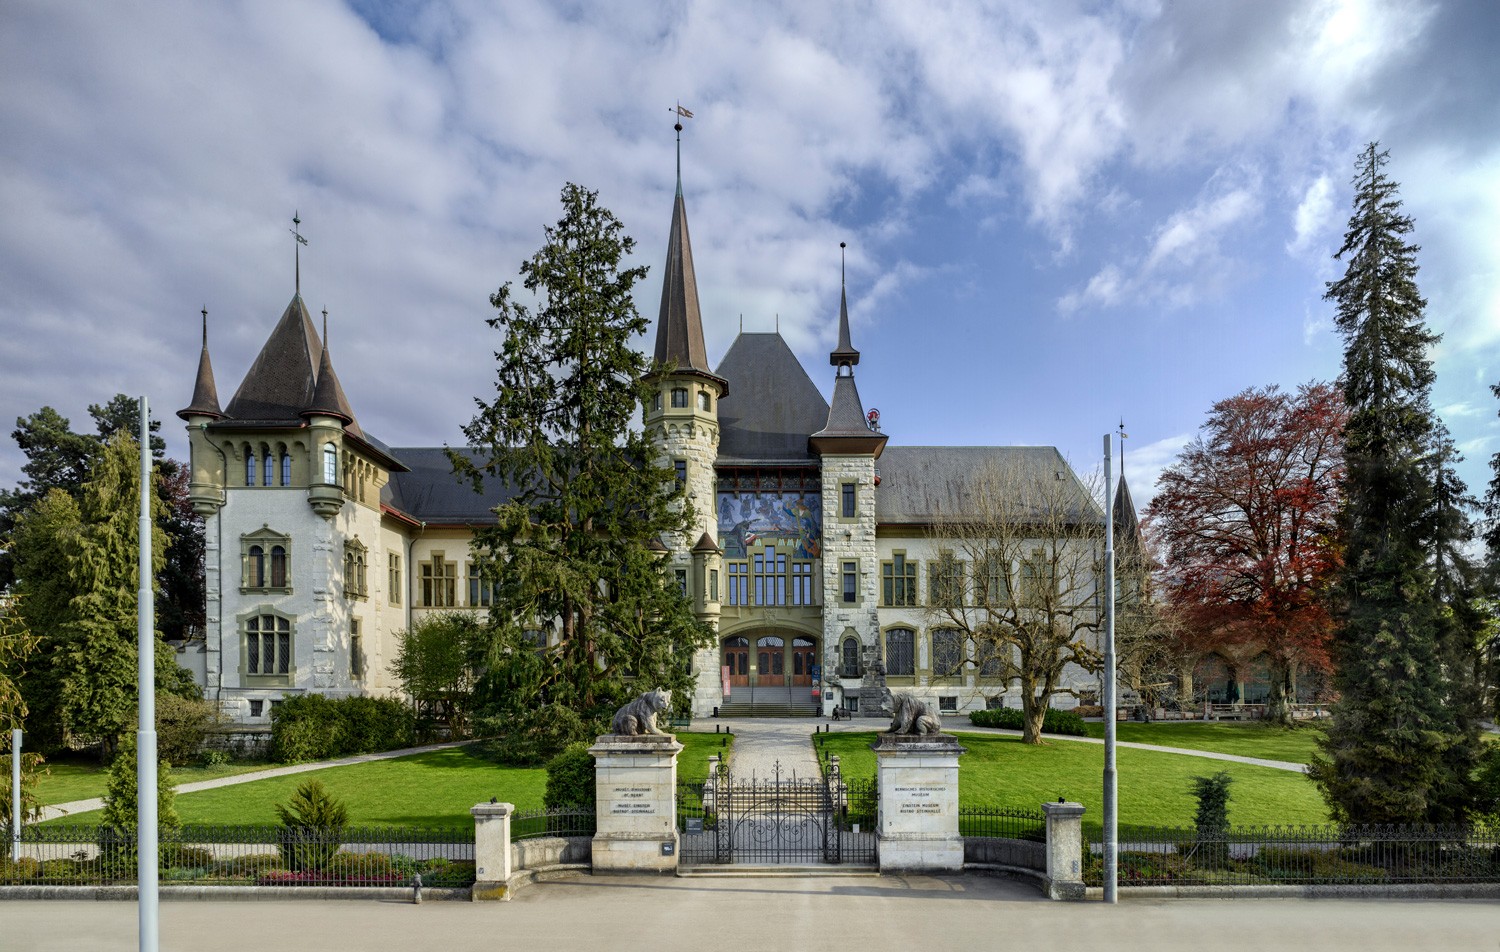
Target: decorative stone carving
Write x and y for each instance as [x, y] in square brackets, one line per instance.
[639, 716]
[911, 716]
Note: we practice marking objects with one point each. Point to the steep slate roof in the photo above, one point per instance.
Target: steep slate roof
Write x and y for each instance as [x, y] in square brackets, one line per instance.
[328, 397]
[281, 381]
[772, 405]
[919, 484]
[1127, 523]
[679, 325]
[430, 493]
[205, 400]
[844, 353]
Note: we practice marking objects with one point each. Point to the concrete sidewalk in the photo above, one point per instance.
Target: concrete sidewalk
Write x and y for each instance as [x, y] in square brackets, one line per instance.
[836, 914]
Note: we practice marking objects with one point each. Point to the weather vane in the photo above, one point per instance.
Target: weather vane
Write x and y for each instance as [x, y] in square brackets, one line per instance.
[297, 234]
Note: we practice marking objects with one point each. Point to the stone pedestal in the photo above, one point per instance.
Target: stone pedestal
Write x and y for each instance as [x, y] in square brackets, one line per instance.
[1064, 850]
[635, 779]
[918, 780]
[492, 856]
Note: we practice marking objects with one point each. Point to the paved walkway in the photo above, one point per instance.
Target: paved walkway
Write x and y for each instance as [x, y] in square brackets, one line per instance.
[823, 914]
[97, 803]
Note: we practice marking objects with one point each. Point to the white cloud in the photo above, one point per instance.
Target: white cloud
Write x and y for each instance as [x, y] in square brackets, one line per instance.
[1313, 216]
[1145, 464]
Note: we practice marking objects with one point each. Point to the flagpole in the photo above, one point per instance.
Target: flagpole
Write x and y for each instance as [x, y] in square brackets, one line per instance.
[1111, 780]
[145, 735]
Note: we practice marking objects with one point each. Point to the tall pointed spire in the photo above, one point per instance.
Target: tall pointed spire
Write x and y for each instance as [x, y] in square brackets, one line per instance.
[844, 355]
[848, 431]
[679, 325]
[205, 394]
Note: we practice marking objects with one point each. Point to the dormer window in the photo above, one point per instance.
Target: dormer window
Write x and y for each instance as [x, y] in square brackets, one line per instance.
[679, 398]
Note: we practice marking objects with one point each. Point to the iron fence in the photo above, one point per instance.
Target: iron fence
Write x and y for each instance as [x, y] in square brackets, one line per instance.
[72, 855]
[553, 821]
[1011, 823]
[1303, 855]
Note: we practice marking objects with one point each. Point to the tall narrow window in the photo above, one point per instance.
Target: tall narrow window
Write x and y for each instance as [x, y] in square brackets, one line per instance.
[355, 574]
[851, 581]
[850, 668]
[679, 468]
[249, 466]
[270, 467]
[898, 579]
[802, 592]
[996, 580]
[900, 656]
[682, 582]
[286, 467]
[945, 585]
[713, 585]
[770, 576]
[480, 590]
[847, 501]
[739, 583]
[278, 566]
[356, 651]
[439, 583]
[947, 652]
[705, 402]
[679, 397]
[330, 464]
[255, 567]
[393, 577]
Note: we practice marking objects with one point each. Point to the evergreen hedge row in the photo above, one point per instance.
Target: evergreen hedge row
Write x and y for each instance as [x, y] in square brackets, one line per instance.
[1054, 722]
[315, 727]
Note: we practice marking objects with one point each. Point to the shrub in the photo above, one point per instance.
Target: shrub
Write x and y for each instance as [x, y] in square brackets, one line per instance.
[117, 835]
[313, 824]
[534, 737]
[1011, 718]
[181, 725]
[1211, 820]
[570, 778]
[314, 727]
[186, 857]
[247, 866]
[214, 757]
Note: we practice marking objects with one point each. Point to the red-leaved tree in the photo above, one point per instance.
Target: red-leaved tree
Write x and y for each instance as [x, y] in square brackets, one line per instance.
[1248, 520]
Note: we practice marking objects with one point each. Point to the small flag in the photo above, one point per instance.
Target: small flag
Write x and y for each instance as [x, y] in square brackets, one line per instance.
[684, 113]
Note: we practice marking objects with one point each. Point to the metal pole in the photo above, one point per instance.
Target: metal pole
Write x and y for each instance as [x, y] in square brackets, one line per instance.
[1111, 784]
[15, 794]
[145, 735]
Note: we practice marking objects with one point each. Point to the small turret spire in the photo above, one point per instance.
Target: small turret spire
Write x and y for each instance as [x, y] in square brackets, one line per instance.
[205, 400]
[844, 356]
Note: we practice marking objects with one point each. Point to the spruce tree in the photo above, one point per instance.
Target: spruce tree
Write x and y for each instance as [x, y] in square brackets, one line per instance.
[1392, 752]
[571, 552]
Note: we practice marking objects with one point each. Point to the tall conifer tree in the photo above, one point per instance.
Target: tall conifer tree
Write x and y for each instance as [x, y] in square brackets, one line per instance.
[572, 550]
[1392, 753]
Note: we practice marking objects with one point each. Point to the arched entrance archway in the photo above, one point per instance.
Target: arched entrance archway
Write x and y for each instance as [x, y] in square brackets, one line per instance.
[771, 671]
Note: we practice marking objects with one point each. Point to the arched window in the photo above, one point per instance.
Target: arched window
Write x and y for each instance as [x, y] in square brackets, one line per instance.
[900, 656]
[286, 467]
[278, 566]
[255, 567]
[249, 465]
[330, 464]
[851, 659]
[269, 477]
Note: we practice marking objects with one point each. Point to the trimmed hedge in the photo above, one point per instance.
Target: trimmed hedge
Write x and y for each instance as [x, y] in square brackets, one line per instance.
[1011, 718]
[314, 727]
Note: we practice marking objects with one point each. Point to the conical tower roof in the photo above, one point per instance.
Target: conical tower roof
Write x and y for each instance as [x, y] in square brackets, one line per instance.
[844, 355]
[1127, 523]
[328, 398]
[205, 400]
[847, 430]
[679, 324]
[281, 382]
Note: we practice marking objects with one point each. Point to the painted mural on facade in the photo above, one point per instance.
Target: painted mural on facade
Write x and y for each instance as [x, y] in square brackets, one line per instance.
[750, 519]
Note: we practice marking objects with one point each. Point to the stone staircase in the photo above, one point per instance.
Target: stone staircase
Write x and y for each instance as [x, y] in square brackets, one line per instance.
[782, 701]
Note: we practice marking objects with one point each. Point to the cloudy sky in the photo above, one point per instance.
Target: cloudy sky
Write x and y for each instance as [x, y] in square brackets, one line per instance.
[1058, 214]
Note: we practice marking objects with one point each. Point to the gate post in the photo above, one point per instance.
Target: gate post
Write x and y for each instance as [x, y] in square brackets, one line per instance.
[492, 856]
[635, 782]
[917, 775]
[1064, 850]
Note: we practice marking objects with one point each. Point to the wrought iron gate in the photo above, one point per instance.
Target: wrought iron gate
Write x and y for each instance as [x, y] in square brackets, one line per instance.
[776, 820]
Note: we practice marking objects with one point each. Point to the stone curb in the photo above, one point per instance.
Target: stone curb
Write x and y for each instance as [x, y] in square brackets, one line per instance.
[1326, 891]
[235, 893]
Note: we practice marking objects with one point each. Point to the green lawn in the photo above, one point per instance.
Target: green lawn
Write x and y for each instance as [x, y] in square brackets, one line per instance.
[1155, 788]
[1247, 739]
[432, 789]
[81, 779]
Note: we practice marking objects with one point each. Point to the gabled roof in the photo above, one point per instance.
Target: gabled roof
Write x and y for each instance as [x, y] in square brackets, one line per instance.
[772, 405]
[923, 484]
[281, 382]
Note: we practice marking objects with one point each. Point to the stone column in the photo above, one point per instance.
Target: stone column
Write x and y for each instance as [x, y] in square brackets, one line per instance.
[1064, 850]
[492, 860]
[635, 780]
[918, 779]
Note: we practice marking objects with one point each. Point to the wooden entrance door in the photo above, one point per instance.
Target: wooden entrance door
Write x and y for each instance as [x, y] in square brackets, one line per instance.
[737, 660]
[804, 656]
[770, 661]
